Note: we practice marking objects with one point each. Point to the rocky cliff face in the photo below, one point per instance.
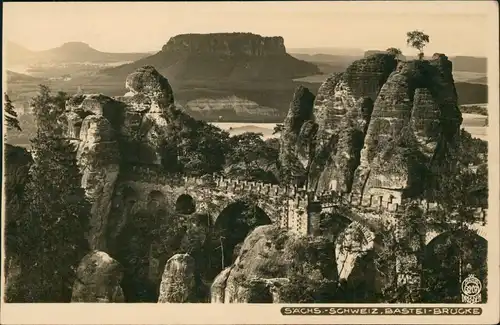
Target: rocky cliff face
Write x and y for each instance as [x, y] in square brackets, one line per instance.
[269, 266]
[113, 131]
[298, 133]
[380, 124]
[343, 113]
[226, 44]
[414, 117]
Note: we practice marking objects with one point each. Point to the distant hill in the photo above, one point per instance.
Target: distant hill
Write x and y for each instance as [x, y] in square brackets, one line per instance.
[337, 62]
[481, 80]
[17, 54]
[321, 57]
[471, 93]
[336, 51]
[469, 63]
[222, 56]
[13, 77]
[328, 63]
[72, 52]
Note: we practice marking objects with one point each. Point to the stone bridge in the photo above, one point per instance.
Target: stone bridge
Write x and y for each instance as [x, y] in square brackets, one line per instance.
[289, 207]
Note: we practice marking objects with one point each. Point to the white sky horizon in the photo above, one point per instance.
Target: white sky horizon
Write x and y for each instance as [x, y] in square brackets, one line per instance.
[455, 28]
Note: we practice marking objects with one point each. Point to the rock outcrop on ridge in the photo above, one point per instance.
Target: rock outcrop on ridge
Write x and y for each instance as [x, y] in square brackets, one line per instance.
[110, 132]
[414, 117]
[342, 111]
[381, 124]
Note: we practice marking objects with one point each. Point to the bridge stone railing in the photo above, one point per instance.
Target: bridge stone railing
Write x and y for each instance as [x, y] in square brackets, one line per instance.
[379, 202]
[229, 184]
[385, 202]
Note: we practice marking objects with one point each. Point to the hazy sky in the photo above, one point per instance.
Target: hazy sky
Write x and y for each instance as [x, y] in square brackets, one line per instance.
[454, 27]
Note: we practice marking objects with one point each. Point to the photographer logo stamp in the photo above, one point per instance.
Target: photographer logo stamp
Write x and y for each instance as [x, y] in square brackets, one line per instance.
[471, 290]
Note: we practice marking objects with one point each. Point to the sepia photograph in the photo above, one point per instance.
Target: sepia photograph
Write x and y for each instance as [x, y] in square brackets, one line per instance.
[304, 158]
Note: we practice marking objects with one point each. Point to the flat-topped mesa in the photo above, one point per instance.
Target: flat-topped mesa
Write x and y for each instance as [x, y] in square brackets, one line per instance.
[226, 44]
[223, 58]
[416, 109]
[342, 111]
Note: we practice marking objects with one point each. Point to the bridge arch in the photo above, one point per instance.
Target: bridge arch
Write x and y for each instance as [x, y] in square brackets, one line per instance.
[185, 204]
[232, 226]
[351, 243]
[130, 196]
[355, 261]
[448, 259]
[333, 223]
[125, 203]
[480, 229]
[156, 200]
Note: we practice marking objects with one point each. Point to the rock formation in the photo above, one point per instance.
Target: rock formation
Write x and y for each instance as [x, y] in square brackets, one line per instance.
[267, 265]
[380, 124]
[178, 281]
[87, 123]
[344, 106]
[298, 132]
[98, 158]
[109, 132]
[218, 288]
[148, 109]
[98, 279]
[414, 117]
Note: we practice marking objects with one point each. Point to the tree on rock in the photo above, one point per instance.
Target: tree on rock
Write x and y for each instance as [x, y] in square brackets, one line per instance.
[251, 158]
[417, 39]
[195, 148]
[51, 239]
[10, 114]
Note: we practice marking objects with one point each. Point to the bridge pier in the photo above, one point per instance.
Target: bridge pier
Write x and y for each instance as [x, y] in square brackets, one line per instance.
[408, 262]
[314, 219]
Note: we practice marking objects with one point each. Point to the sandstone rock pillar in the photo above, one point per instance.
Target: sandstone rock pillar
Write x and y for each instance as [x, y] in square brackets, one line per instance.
[98, 158]
[98, 279]
[177, 284]
[217, 290]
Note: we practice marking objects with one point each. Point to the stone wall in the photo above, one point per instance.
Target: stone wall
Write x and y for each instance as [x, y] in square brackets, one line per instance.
[286, 206]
